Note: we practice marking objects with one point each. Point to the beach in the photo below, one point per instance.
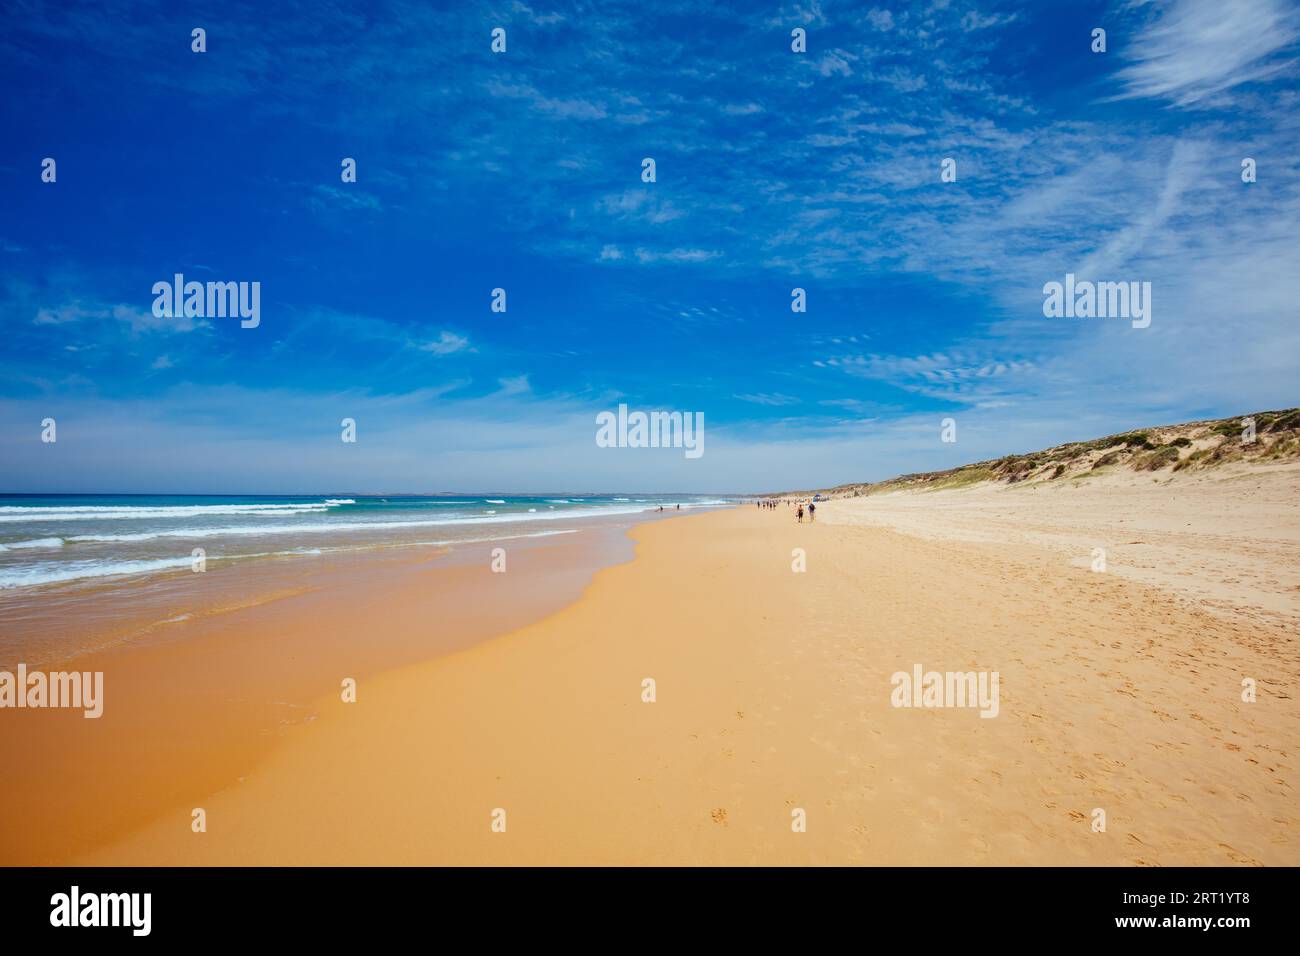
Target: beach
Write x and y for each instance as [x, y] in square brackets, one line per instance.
[773, 735]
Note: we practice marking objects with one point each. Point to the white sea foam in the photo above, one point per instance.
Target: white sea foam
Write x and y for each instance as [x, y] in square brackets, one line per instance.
[495, 537]
[33, 543]
[10, 514]
[325, 527]
[52, 572]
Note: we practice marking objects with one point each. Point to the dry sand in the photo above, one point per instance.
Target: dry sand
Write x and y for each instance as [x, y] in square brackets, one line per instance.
[1227, 539]
[1119, 691]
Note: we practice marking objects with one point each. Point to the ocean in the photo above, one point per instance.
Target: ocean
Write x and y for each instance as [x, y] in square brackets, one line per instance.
[66, 540]
[85, 573]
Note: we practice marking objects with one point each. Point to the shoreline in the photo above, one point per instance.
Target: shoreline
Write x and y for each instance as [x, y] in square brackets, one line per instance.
[76, 575]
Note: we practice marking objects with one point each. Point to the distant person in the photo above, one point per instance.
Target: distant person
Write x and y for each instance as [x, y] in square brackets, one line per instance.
[799, 514]
[812, 511]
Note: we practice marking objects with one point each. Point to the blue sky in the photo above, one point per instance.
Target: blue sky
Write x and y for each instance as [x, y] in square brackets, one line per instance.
[522, 170]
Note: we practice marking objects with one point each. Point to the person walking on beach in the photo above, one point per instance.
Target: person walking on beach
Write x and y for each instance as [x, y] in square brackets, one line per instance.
[812, 511]
[799, 514]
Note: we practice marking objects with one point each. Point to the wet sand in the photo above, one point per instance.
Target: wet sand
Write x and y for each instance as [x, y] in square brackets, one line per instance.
[195, 706]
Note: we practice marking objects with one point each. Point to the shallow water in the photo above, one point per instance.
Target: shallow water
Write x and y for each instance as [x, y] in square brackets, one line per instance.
[79, 573]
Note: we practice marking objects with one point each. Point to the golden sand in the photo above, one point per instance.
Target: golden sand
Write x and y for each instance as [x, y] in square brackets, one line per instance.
[773, 696]
[193, 707]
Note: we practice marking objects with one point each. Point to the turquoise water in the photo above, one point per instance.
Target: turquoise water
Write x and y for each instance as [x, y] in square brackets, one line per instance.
[64, 539]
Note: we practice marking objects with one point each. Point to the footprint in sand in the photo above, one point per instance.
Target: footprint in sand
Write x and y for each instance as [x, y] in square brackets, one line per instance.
[1237, 856]
[719, 816]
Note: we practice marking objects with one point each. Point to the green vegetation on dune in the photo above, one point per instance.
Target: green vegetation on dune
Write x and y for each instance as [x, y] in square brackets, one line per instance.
[970, 475]
[1162, 457]
[1187, 447]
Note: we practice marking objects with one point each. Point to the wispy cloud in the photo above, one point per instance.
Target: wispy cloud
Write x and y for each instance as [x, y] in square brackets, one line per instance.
[137, 320]
[676, 255]
[1198, 48]
[768, 398]
[446, 343]
[963, 379]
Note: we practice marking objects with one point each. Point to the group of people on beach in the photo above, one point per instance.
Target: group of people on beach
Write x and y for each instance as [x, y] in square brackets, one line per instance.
[799, 511]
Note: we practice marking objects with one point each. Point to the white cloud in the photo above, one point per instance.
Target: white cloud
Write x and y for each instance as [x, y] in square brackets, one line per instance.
[65, 314]
[676, 255]
[768, 398]
[974, 20]
[558, 107]
[1198, 48]
[136, 319]
[446, 343]
[837, 61]
[143, 320]
[518, 385]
